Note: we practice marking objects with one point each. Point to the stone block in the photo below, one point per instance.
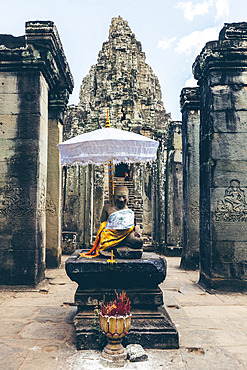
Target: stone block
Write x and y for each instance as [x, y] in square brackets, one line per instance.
[229, 120]
[9, 104]
[228, 97]
[223, 171]
[8, 83]
[223, 251]
[219, 77]
[149, 271]
[224, 231]
[229, 146]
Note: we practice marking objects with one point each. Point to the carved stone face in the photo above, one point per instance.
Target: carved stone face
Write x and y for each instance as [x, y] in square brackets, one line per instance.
[121, 196]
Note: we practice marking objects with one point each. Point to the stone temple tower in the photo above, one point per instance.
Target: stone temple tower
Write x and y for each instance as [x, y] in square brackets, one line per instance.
[122, 81]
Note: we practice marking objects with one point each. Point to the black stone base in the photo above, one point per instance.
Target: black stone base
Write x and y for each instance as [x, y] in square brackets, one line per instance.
[98, 280]
[150, 329]
[90, 298]
[226, 285]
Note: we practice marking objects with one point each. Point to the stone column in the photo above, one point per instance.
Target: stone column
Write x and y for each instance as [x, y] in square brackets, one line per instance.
[174, 191]
[221, 71]
[57, 104]
[23, 117]
[190, 108]
[31, 66]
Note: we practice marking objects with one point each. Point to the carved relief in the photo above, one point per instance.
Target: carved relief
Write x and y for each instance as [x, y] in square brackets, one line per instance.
[14, 202]
[50, 205]
[233, 207]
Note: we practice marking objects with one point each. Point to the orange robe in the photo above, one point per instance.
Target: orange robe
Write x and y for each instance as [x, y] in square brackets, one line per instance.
[105, 239]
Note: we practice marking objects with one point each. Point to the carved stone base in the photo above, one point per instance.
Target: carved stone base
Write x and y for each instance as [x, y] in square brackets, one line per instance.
[151, 326]
[227, 285]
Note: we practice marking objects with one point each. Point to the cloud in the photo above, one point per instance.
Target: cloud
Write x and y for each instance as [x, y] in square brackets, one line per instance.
[222, 9]
[191, 82]
[195, 41]
[165, 43]
[191, 10]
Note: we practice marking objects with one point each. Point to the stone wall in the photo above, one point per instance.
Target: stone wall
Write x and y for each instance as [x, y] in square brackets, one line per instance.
[32, 68]
[221, 71]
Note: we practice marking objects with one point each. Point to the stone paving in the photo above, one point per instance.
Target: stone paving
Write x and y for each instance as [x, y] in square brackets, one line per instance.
[36, 330]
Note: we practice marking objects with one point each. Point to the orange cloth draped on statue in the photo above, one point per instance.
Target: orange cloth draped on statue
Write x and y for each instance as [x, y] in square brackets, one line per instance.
[105, 239]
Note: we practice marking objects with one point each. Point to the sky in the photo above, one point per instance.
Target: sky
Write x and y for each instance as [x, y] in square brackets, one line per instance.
[172, 33]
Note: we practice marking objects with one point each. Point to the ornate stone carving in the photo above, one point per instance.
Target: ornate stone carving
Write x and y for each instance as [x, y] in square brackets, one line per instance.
[233, 206]
[14, 202]
[58, 99]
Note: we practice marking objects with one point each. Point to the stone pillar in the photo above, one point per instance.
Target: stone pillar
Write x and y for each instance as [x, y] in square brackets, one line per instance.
[190, 108]
[221, 71]
[57, 104]
[30, 67]
[174, 191]
[23, 117]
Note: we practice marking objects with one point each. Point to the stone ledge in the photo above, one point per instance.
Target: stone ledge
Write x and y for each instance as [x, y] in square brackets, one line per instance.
[147, 272]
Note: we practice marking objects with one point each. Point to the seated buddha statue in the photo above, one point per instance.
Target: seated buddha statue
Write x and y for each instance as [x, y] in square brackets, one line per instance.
[117, 231]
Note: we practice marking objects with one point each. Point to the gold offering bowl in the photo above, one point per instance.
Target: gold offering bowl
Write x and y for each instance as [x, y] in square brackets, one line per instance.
[115, 328]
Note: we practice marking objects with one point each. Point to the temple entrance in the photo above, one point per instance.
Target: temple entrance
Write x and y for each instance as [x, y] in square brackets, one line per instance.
[121, 169]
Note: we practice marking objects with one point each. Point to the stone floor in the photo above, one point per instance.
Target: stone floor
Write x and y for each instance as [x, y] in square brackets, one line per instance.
[36, 330]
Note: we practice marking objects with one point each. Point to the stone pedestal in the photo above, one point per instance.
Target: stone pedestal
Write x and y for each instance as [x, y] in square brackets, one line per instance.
[190, 108]
[221, 71]
[97, 279]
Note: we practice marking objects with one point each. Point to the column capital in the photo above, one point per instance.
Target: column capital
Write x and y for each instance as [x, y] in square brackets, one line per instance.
[229, 53]
[190, 99]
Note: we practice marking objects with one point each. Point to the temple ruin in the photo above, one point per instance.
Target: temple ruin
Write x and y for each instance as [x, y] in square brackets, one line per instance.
[191, 200]
[122, 81]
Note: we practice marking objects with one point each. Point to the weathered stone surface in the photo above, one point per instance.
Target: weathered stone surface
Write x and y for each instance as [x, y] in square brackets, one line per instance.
[221, 70]
[32, 68]
[149, 271]
[173, 191]
[190, 107]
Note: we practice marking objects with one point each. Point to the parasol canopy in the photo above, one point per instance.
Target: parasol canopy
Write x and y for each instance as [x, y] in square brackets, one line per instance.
[102, 145]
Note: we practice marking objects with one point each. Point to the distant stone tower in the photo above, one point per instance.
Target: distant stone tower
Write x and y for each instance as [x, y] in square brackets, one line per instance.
[123, 82]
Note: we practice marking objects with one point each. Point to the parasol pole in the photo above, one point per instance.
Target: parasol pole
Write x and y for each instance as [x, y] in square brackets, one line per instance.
[110, 168]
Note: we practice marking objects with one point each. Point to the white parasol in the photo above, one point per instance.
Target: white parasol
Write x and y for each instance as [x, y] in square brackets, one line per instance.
[100, 146]
[108, 145]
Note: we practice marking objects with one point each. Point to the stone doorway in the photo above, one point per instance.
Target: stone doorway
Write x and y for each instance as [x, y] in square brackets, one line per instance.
[120, 169]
